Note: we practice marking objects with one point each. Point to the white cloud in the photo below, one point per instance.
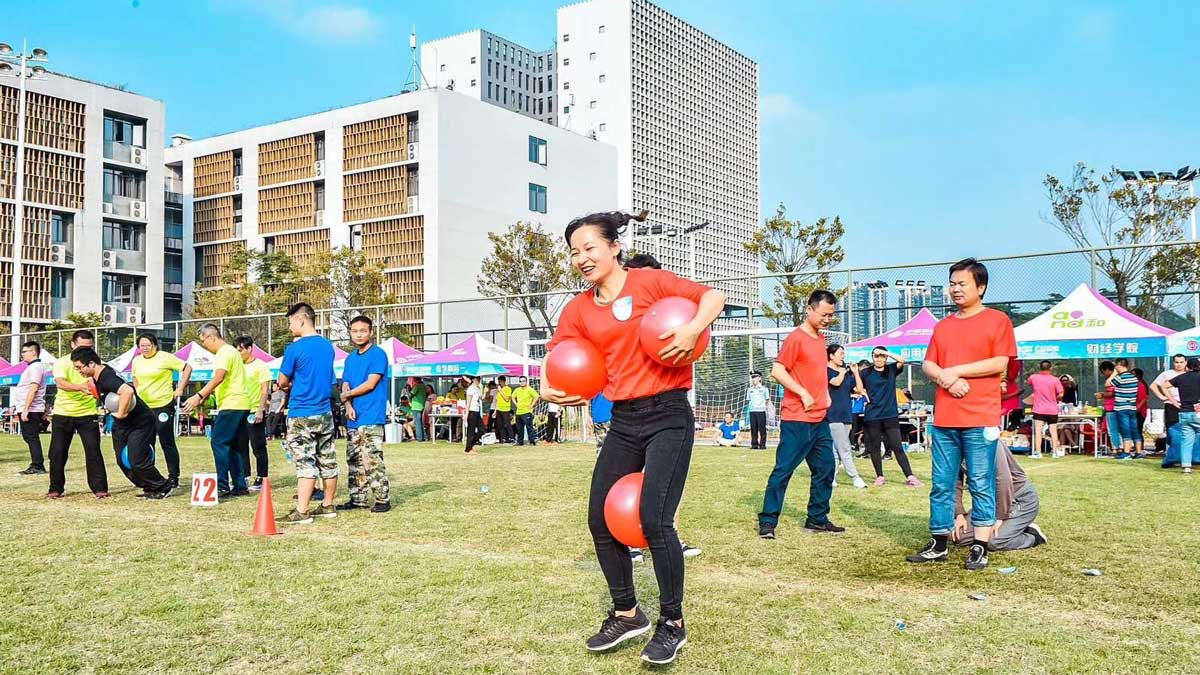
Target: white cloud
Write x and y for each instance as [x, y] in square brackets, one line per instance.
[329, 22]
[777, 108]
[1095, 29]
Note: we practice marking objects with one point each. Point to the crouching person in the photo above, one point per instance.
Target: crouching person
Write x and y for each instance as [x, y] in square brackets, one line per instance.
[1016, 509]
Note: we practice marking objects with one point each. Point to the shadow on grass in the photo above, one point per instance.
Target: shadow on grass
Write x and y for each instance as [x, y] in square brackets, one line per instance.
[900, 528]
[406, 492]
[754, 502]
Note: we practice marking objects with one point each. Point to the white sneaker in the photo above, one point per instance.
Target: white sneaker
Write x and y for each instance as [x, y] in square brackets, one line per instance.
[690, 551]
[859, 483]
[1035, 455]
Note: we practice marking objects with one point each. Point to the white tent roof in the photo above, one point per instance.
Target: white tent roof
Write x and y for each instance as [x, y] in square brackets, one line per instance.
[1087, 315]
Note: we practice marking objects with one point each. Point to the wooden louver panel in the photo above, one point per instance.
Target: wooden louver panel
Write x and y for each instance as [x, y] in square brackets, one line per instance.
[8, 171]
[375, 142]
[300, 246]
[35, 291]
[7, 221]
[212, 219]
[399, 242]
[375, 194]
[54, 179]
[216, 259]
[213, 174]
[37, 226]
[291, 207]
[287, 159]
[8, 112]
[54, 122]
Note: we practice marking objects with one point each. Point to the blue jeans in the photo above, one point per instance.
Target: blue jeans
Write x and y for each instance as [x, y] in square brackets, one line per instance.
[1114, 429]
[799, 441]
[229, 432]
[419, 424]
[1127, 425]
[525, 429]
[951, 447]
[1189, 430]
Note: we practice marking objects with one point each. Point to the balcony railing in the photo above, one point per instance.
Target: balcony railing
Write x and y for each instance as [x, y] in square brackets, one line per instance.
[124, 206]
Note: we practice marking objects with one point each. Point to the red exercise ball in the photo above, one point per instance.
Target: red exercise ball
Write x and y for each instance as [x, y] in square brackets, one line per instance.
[91, 387]
[664, 315]
[576, 367]
[622, 511]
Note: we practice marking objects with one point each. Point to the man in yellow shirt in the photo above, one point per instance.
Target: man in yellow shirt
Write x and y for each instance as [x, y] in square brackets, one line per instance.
[154, 379]
[504, 422]
[229, 433]
[258, 393]
[524, 397]
[75, 413]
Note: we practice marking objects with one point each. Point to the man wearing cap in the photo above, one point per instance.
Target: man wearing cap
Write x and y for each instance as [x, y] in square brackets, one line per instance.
[757, 400]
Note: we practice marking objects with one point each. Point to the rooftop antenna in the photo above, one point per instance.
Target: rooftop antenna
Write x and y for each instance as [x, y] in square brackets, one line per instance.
[416, 78]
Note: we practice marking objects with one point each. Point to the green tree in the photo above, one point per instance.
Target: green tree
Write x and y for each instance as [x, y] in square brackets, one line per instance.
[525, 259]
[254, 282]
[801, 253]
[339, 284]
[1102, 210]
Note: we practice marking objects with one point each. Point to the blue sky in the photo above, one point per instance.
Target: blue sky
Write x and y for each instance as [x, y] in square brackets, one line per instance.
[926, 126]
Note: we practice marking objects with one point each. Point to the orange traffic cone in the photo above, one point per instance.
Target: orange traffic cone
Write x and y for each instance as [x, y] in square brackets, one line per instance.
[264, 516]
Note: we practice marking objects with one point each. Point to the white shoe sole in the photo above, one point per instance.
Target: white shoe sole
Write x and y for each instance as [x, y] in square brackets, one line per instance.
[674, 656]
[628, 636]
[692, 553]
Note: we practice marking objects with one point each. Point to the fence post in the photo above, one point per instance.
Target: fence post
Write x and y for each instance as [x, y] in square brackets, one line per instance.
[270, 342]
[506, 323]
[441, 333]
[379, 323]
[849, 305]
[221, 327]
[1092, 262]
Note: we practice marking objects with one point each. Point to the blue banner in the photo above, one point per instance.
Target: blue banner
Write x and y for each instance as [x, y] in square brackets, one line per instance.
[1092, 349]
[912, 353]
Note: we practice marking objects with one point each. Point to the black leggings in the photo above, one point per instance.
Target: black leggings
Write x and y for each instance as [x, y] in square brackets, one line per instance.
[887, 431]
[653, 435]
[165, 428]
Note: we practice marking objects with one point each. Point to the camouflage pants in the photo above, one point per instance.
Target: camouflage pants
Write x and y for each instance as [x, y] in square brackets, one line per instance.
[364, 457]
[310, 439]
[600, 429]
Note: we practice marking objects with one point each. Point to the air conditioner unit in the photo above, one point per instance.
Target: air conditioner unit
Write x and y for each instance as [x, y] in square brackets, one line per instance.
[319, 168]
[137, 209]
[110, 314]
[137, 156]
[412, 152]
[413, 204]
[134, 315]
[58, 253]
[108, 207]
[108, 260]
[320, 218]
[237, 183]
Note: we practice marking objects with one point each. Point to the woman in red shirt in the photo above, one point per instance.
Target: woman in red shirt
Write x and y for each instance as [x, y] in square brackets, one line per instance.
[652, 426]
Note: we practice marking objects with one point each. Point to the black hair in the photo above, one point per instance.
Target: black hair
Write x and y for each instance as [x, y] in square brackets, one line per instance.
[362, 318]
[1140, 375]
[755, 373]
[832, 349]
[877, 349]
[82, 334]
[821, 295]
[151, 337]
[1123, 362]
[1107, 365]
[303, 309]
[863, 362]
[977, 269]
[1045, 365]
[526, 379]
[612, 225]
[85, 355]
[1194, 363]
[1178, 356]
[641, 260]
[243, 342]
[32, 343]
[502, 379]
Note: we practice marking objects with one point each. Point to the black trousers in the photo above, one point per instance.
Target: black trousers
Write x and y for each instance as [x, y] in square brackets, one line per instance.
[888, 433]
[504, 426]
[62, 432]
[136, 443]
[166, 438]
[258, 443]
[474, 429]
[758, 429]
[525, 428]
[653, 435]
[31, 433]
[551, 427]
[856, 430]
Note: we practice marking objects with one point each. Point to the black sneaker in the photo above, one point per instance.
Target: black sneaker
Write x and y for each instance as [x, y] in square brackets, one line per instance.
[664, 646]
[635, 554]
[240, 492]
[224, 494]
[977, 558]
[1039, 537]
[617, 629]
[174, 482]
[381, 507]
[159, 495]
[929, 554]
[823, 527]
[766, 531]
[32, 471]
[350, 506]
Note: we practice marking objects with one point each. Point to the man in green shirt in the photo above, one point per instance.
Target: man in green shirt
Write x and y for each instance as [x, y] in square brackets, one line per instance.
[229, 434]
[504, 401]
[524, 397]
[75, 413]
[418, 408]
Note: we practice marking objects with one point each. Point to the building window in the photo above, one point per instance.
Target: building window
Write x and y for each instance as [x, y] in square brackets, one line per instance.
[505, 97]
[489, 90]
[537, 150]
[566, 85]
[60, 227]
[489, 46]
[592, 105]
[319, 196]
[121, 289]
[121, 183]
[122, 236]
[601, 79]
[472, 83]
[603, 126]
[566, 62]
[173, 226]
[442, 68]
[537, 198]
[601, 29]
[592, 56]
[319, 143]
[58, 284]
[237, 162]
[473, 60]
[566, 37]
[566, 109]
[124, 131]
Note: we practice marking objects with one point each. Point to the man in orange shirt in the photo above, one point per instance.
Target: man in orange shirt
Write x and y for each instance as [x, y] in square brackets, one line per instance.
[803, 431]
[966, 358]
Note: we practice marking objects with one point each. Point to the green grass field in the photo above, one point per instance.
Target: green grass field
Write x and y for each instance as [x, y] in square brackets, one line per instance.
[453, 580]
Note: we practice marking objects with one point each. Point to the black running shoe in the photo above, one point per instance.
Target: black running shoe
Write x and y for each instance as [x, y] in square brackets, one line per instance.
[766, 531]
[617, 629]
[350, 506]
[159, 495]
[929, 554]
[1039, 537]
[240, 492]
[381, 507]
[664, 646]
[32, 471]
[823, 527]
[977, 558]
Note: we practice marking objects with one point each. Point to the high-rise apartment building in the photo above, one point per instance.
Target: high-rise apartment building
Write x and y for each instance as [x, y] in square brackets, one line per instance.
[915, 295]
[415, 181]
[868, 301]
[680, 107]
[90, 208]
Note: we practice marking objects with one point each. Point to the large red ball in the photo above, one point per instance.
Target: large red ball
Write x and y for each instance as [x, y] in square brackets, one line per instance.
[664, 315]
[576, 367]
[622, 511]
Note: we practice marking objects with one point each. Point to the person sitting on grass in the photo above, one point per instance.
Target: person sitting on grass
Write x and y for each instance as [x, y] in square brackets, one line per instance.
[730, 430]
[1016, 509]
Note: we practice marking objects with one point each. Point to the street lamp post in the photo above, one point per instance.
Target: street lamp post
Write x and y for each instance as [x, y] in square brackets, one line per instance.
[23, 72]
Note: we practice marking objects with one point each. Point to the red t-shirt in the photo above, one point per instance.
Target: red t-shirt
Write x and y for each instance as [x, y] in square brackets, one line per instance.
[614, 328]
[957, 341]
[806, 360]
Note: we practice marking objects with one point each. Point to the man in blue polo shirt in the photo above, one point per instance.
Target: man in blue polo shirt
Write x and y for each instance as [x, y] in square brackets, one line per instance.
[365, 396]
